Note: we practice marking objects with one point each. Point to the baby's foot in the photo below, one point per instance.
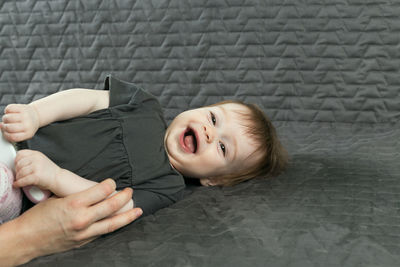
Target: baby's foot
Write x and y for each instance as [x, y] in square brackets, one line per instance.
[10, 197]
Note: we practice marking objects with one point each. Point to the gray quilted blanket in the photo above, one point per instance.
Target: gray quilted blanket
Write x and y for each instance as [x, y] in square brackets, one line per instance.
[327, 74]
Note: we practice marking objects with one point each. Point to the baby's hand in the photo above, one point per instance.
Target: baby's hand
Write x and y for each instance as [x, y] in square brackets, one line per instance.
[20, 122]
[34, 168]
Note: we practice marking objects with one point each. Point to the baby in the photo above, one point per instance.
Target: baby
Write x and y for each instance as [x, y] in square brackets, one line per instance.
[76, 138]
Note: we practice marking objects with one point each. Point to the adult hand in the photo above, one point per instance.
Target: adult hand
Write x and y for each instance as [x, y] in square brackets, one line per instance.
[61, 224]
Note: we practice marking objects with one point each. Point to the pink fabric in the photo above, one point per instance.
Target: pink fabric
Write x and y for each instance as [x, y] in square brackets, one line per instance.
[10, 198]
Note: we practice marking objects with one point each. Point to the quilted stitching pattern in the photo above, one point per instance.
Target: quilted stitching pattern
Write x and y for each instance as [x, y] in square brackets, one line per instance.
[307, 61]
[325, 71]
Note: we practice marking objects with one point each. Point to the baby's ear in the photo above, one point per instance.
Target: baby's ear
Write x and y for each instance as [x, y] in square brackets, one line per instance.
[208, 182]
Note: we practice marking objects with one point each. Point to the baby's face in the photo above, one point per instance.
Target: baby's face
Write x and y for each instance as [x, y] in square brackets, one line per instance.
[209, 142]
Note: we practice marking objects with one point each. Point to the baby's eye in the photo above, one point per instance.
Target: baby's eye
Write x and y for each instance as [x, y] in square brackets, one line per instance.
[222, 147]
[213, 119]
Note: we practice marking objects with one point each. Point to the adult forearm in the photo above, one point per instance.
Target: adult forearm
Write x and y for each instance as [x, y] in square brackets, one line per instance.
[15, 246]
[69, 104]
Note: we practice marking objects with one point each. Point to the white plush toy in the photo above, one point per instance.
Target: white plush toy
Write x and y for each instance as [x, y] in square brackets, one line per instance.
[11, 198]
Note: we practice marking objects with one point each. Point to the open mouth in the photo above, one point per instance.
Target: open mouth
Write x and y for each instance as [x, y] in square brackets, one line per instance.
[189, 140]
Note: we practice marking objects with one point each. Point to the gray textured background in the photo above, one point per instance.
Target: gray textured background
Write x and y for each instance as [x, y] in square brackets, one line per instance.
[301, 60]
[326, 72]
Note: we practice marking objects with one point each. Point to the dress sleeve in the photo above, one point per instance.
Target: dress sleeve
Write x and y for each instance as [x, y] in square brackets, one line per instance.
[121, 92]
[158, 194]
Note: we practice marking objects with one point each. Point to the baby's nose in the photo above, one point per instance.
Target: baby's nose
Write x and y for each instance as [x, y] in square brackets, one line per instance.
[209, 134]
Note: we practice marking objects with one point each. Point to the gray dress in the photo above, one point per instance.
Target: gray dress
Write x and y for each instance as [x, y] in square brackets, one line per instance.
[124, 142]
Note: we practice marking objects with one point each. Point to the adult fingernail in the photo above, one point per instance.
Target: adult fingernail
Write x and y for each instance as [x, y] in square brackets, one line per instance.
[139, 212]
[111, 182]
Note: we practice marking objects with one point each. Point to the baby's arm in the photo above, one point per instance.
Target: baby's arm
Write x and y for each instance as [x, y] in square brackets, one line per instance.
[21, 122]
[69, 104]
[34, 168]
[68, 183]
